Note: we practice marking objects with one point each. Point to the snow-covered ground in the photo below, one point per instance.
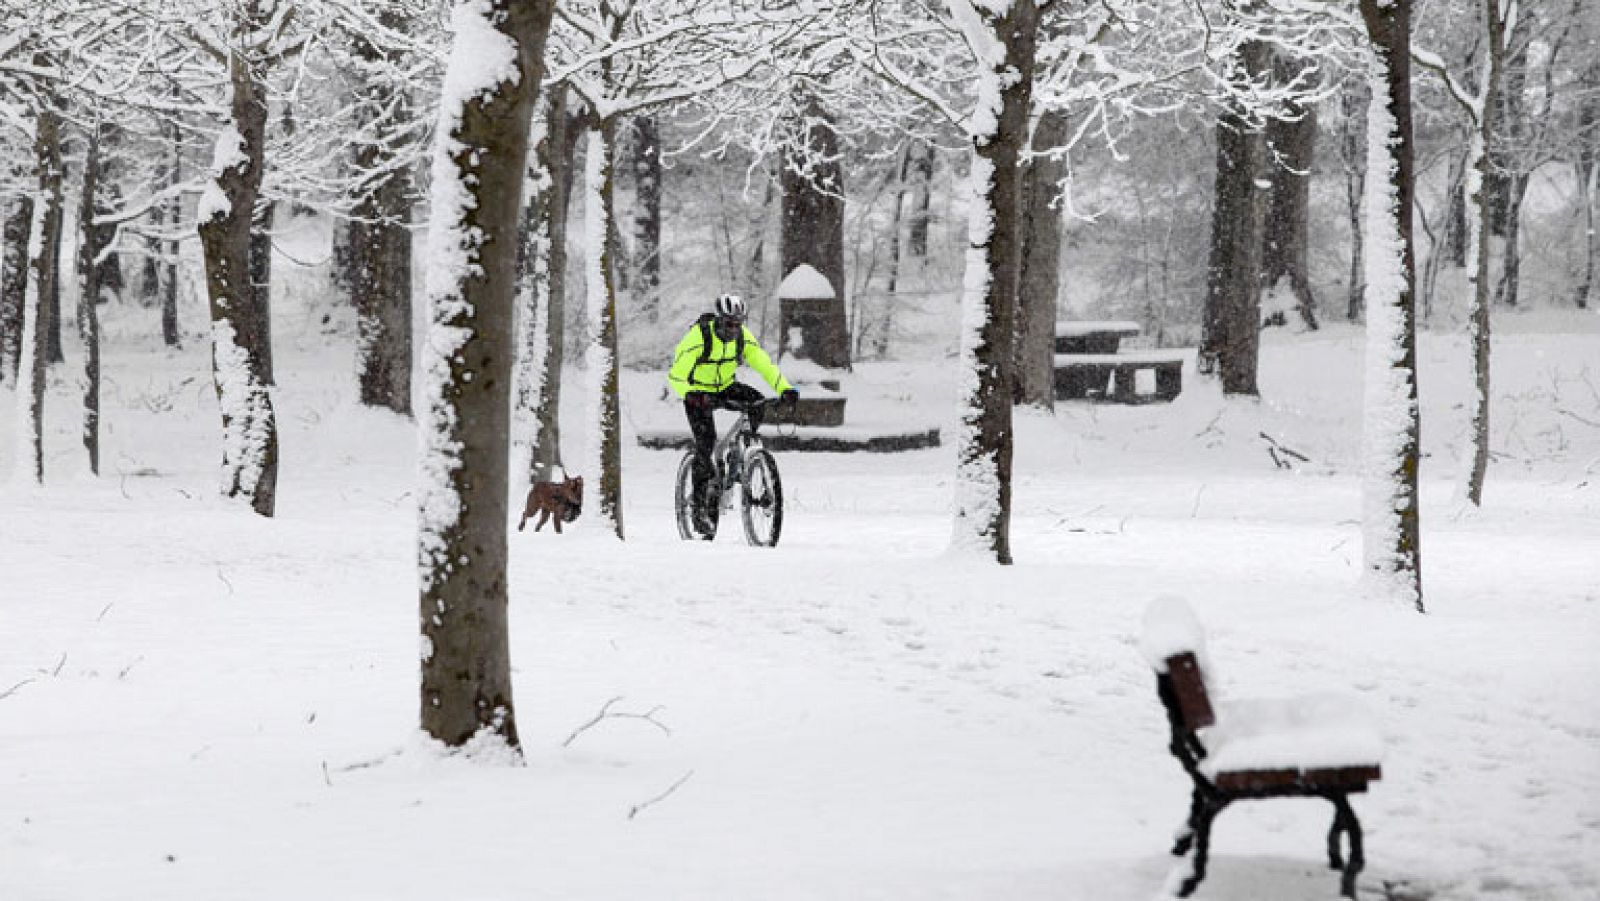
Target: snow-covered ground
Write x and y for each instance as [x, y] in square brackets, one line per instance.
[196, 703]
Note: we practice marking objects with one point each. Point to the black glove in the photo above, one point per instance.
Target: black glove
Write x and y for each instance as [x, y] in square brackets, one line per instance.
[697, 400]
[790, 397]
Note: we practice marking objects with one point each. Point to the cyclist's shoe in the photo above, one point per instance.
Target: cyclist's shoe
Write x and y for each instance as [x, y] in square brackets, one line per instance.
[704, 525]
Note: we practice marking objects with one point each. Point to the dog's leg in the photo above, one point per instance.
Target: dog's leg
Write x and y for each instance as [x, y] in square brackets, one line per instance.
[556, 517]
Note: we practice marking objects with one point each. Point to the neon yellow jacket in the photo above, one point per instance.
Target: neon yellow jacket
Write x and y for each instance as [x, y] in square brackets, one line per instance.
[716, 373]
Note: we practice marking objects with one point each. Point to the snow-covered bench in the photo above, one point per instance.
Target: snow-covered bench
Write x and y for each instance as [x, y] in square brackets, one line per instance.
[1321, 746]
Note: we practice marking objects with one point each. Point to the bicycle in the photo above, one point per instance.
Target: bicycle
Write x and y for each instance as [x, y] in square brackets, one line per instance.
[738, 459]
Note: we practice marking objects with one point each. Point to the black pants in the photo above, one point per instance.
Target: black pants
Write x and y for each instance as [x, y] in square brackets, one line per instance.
[704, 429]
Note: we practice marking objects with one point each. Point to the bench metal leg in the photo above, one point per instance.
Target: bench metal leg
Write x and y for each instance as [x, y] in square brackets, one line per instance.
[1123, 385]
[1185, 838]
[1202, 847]
[1169, 382]
[1352, 828]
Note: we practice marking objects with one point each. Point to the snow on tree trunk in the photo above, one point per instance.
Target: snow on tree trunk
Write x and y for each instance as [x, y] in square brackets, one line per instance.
[224, 215]
[257, 321]
[479, 161]
[1392, 431]
[1041, 265]
[14, 284]
[538, 306]
[1004, 40]
[1478, 177]
[1353, 147]
[604, 420]
[35, 351]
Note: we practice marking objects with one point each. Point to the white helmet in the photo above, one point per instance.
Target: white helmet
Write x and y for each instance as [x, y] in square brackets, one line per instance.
[731, 305]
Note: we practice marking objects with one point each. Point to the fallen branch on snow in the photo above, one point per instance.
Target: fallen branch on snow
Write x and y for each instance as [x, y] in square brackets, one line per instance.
[1281, 454]
[606, 713]
[634, 811]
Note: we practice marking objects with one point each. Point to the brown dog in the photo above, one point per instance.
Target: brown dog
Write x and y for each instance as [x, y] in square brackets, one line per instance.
[563, 500]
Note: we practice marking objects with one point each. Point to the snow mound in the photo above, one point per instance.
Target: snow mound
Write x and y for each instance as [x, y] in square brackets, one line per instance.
[1171, 628]
[1313, 731]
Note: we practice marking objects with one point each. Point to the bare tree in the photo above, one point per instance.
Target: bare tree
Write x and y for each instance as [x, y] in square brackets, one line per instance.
[494, 74]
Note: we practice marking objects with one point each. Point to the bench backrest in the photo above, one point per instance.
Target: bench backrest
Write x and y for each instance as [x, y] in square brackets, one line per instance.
[1187, 683]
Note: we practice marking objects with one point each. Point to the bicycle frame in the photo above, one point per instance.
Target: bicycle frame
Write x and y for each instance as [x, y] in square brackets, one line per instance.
[739, 439]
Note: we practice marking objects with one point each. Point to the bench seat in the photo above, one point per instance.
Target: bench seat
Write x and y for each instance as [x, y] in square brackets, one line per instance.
[1112, 376]
[1310, 733]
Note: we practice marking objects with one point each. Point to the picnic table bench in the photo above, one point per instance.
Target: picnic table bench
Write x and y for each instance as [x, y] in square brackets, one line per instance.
[1320, 746]
[1088, 365]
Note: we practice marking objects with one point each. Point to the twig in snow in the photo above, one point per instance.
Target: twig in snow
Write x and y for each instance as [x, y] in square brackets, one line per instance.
[13, 689]
[224, 579]
[366, 764]
[606, 713]
[1195, 511]
[1210, 427]
[1276, 447]
[59, 664]
[325, 777]
[634, 811]
[1588, 422]
[129, 668]
[104, 610]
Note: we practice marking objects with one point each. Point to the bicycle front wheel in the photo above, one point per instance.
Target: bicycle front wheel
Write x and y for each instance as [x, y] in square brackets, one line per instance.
[763, 499]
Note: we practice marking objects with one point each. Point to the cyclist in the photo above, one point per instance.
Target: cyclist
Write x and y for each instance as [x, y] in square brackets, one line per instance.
[702, 374]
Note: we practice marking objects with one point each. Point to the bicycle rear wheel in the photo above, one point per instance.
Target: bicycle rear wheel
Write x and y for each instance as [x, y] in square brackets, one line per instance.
[763, 499]
[683, 508]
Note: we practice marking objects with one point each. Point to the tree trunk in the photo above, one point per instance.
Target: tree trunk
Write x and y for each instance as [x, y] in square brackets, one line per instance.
[52, 314]
[813, 230]
[14, 284]
[645, 260]
[92, 242]
[480, 158]
[885, 323]
[989, 297]
[1293, 144]
[249, 426]
[379, 249]
[601, 364]
[1353, 147]
[1506, 96]
[41, 263]
[540, 293]
[922, 170]
[1040, 281]
[1456, 226]
[1231, 331]
[259, 318]
[170, 333]
[1588, 176]
[1392, 433]
[1511, 266]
